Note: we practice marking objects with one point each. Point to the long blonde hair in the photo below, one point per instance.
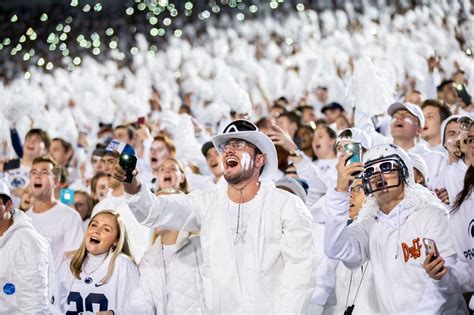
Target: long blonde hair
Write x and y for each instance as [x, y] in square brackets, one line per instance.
[123, 247]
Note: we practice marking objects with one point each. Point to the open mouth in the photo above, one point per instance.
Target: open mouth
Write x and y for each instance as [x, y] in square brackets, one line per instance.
[318, 146]
[380, 184]
[167, 179]
[231, 162]
[154, 160]
[398, 125]
[37, 185]
[94, 240]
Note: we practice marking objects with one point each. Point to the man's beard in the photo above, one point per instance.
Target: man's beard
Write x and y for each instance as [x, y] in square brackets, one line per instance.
[241, 177]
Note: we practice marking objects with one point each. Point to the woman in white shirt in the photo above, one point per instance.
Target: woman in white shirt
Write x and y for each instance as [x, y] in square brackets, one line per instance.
[102, 274]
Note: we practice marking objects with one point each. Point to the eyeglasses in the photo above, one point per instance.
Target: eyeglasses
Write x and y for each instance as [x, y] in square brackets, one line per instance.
[235, 144]
[465, 123]
[383, 167]
[469, 140]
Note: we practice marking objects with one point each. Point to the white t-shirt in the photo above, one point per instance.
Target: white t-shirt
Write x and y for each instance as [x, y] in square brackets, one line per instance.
[138, 235]
[61, 226]
[89, 294]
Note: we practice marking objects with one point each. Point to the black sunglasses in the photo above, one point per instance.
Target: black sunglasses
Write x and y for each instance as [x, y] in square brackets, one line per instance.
[384, 167]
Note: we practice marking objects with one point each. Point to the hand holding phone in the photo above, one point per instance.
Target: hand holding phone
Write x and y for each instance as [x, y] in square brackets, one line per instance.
[128, 162]
[356, 157]
[66, 196]
[430, 246]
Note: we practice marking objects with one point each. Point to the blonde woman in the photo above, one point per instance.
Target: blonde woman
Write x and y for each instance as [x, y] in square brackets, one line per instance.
[102, 274]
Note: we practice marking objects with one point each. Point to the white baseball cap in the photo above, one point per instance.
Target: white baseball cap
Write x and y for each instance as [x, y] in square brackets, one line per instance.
[4, 190]
[415, 110]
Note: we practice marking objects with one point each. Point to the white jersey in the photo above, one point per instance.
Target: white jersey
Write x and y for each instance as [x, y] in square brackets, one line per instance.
[61, 226]
[89, 294]
[139, 235]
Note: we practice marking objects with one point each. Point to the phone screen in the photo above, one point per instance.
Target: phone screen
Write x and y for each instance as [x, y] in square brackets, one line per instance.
[356, 150]
[430, 246]
[66, 196]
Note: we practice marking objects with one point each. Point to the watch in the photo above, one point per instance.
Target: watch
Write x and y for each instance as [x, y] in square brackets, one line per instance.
[296, 153]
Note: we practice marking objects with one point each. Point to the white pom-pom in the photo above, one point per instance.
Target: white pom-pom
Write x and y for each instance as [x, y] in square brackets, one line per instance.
[368, 91]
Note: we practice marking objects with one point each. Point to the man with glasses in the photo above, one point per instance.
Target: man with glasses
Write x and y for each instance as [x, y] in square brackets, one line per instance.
[256, 239]
[398, 218]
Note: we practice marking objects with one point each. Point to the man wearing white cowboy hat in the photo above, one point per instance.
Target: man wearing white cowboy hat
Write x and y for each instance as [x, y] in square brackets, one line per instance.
[256, 239]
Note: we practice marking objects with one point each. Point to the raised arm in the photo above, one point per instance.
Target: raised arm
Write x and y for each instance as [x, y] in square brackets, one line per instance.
[175, 212]
[348, 244]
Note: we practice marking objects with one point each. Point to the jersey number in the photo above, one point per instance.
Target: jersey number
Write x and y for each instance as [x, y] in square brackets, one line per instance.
[92, 298]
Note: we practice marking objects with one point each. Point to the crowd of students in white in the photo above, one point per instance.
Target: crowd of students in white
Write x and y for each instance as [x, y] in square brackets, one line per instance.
[75, 238]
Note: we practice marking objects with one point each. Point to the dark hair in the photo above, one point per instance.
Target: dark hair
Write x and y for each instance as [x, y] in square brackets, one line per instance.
[186, 108]
[466, 190]
[443, 108]
[95, 179]
[42, 134]
[441, 86]
[292, 117]
[90, 202]
[63, 174]
[47, 159]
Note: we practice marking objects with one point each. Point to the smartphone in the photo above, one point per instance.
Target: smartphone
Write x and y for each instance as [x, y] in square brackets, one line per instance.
[356, 150]
[11, 165]
[128, 162]
[463, 94]
[141, 120]
[430, 246]
[66, 196]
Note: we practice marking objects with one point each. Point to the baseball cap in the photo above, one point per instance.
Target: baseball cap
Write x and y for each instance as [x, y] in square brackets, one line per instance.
[332, 106]
[355, 135]
[415, 110]
[120, 147]
[206, 147]
[4, 190]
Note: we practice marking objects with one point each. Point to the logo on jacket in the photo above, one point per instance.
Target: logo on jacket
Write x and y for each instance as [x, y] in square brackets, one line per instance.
[469, 254]
[413, 251]
[9, 288]
[88, 280]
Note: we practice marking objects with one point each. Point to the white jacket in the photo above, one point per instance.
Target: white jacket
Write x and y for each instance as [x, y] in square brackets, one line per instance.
[393, 243]
[278, 275]
[26, 269]
[186, 294]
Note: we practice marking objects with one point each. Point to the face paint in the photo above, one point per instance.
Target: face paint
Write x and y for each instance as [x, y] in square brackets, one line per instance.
[408, 120]
[246, 161]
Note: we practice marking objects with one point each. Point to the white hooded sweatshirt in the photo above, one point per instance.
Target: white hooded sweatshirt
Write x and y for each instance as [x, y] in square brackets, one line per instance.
[274, 274]
[394, 245]
[26, 269]
[176, 290]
